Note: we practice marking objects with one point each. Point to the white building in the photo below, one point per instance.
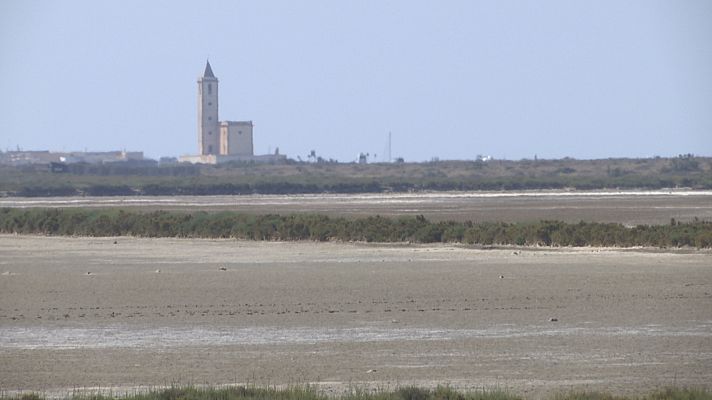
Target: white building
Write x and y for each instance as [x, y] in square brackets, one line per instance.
[19, 157]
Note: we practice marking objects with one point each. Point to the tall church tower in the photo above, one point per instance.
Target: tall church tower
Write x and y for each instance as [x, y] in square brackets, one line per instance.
[208, 125]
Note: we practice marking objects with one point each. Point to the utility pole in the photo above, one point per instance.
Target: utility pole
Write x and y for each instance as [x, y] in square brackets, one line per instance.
[389, 146]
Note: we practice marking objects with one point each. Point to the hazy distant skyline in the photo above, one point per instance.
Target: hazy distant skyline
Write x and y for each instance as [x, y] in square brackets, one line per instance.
[449, 79]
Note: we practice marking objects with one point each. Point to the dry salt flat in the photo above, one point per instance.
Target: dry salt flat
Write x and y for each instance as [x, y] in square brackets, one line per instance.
[130, 313]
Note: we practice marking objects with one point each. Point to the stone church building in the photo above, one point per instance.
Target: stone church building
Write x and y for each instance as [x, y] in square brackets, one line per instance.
[221, 141]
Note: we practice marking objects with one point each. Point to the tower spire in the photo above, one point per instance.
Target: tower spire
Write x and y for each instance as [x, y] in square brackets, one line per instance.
[208, 71]
[208, 125]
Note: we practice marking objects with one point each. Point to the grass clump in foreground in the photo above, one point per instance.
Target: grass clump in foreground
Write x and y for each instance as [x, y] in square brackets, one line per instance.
[404, 393]
[227, 224]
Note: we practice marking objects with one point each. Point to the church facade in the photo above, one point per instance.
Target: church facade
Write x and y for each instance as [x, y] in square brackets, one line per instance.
[215, 136]
[221, 141]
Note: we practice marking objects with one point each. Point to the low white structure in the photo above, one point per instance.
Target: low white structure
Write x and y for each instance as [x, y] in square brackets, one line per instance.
[20, 157]
[219, 158]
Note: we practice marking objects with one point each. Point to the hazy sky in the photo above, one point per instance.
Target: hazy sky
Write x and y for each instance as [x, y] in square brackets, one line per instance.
[449, 79]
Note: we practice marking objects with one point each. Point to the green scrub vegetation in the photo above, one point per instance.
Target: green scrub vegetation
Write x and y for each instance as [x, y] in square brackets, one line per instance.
[126, 179]
[227, 224]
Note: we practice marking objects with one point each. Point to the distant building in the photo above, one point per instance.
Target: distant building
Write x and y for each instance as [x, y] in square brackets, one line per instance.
[222, 141]
[101, 157]
[19, 157]
[208, 124]
[236, 138]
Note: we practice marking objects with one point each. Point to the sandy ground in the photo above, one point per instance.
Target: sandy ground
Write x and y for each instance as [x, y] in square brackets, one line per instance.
[628, 207]
[123, 313]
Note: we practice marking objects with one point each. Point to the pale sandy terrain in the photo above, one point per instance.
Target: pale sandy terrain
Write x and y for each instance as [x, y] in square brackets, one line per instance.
[81, 312]
[627, 207]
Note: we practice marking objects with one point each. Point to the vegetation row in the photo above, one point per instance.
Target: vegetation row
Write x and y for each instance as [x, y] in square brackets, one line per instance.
[405, 393]
[117, 179]
[119, 222]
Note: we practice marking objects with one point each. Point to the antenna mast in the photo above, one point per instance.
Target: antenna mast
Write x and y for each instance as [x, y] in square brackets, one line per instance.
[389, 146]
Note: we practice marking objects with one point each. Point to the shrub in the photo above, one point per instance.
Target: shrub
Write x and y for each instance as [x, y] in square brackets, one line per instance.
[112, 222]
